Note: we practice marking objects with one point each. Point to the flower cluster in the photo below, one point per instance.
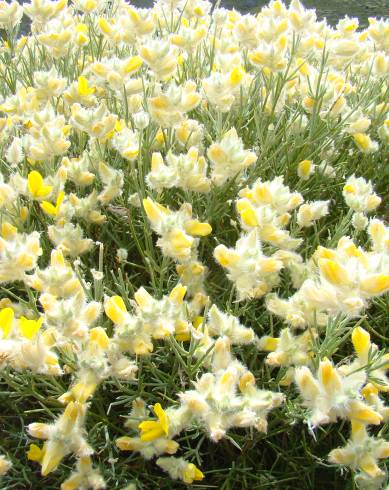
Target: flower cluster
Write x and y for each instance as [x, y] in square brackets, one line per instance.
[339, 281]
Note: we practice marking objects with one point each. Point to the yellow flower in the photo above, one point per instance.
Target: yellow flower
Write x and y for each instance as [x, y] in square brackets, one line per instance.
[154, 210]
[179, 468]
[104, 26]
[195, 228]
[6, 318]
[236, 76]
[150, 429]
[83, 87]
[99, 336]
[305, 168]
[143, 298]
[225, 256]
[328, 376]
[29, 328]
[8, 231]
[115, 309]
[90, 5]
[364, 142]
[80, 392]
[375, 284]
[362, 452]
[50, 208]
[35, 453]
[269, 344]
[349, 188]
[302, 66]
[36, 186]
[52, 457]
[133, 64]
[181, 332]
[247, 213]
[192, 473]
[361, 342]
[334, 272]
[23, 213]
[360, 412]
[177, 294]
[180, 242]
[81, 37]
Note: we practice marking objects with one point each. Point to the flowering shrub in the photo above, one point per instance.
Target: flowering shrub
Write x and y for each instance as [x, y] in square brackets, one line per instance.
[194, 260]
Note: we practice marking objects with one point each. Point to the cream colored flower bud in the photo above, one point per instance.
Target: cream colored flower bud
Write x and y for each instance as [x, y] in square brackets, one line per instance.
[39, 430]
[359, 221]
[14, 153]
[5, 465]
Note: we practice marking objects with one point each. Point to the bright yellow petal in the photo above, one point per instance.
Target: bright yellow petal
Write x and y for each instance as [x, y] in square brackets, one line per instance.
[268, 343]
[246, 381]
[133, 64]
[104, 26]
[236, 75]
[99, 336]
[177, 294]
[49, 208]
[29, 328]
[82, 391]
[191, 473]
[249, 217]
[361, 341]
[148, 425]
[35, 182]
[225, 257]
[60, 198]
[115, 309]
[263, 194]
[36, 185]
[375, 284]
[8, 231]
[362, 413]
[6, 319]
[150, 431]
[163, 420]
[83, 87]
[328, 376]
[52, 458]
[369, 466]
[35, 453]
[334, 272]
[199, 475]
[195, 228]
[304, 168]
[180, 241]
[154, 210]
